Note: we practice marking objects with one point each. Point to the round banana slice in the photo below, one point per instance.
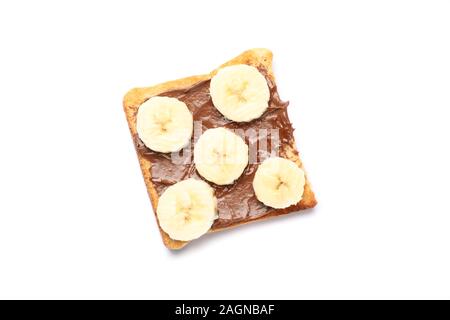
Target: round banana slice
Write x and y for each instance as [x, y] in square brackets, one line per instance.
[164, 124]
[187, 209]
[240, 92]
[279, 183]
[220, 156]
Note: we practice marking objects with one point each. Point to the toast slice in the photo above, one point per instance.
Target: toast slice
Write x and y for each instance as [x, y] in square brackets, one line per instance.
[259, 58]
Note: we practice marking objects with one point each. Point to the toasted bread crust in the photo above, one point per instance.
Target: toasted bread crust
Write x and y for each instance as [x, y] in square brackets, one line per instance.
[135, 97]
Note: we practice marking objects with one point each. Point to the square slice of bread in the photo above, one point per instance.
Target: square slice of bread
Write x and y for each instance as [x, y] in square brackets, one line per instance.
[259, 58]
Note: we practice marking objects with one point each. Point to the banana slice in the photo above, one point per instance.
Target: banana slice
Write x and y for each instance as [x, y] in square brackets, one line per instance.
[240, 92]
[279, 183]
[220, 156]
[187, 209]
[164, 124]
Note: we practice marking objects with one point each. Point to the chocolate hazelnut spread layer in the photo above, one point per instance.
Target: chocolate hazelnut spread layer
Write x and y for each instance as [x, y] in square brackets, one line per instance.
[235, 202]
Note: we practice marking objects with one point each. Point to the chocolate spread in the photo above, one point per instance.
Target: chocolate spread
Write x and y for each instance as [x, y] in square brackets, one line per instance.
[236, 202]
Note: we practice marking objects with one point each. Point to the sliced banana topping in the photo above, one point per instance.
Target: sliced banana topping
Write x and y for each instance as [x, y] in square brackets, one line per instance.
[279, 183]
[240, 92]
[164, 124]
[220, 156]
[187, 209]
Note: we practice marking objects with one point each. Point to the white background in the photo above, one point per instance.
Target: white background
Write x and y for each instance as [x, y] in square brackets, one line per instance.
[369, 86]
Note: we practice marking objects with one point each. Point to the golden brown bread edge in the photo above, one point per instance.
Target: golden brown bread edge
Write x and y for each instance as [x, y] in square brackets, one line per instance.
[135, 97]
